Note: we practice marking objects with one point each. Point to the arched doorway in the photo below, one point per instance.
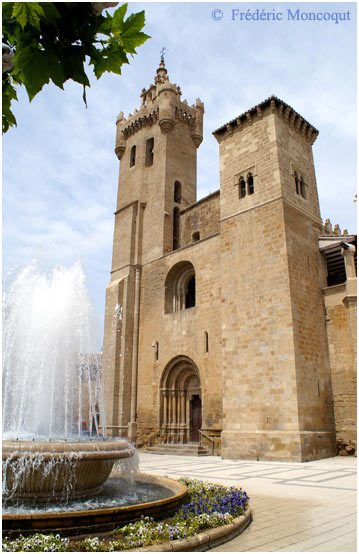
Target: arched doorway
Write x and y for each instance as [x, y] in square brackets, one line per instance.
[181, 402]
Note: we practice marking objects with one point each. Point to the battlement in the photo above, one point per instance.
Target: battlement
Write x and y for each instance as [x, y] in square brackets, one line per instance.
[137, 121]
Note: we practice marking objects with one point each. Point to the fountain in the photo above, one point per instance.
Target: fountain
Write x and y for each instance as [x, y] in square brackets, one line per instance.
[55, 449]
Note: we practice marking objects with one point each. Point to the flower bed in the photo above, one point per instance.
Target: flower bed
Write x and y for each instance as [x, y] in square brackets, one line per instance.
[210, 505]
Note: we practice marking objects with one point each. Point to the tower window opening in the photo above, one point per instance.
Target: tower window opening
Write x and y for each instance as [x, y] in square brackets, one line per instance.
[206, 341]
[250, 183]
[133, 156]
[190, 301]
[242, 187]
[177, 192]
[302, 188]
[195, 236]
[297, 184]
[156, 348]
[149, 152]
[175, 228]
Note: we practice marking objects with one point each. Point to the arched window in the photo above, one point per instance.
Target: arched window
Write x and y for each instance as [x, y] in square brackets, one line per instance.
[149, 152]
[296, 180]
[133, 156]
[177, 192]
[180, 288]
[175, 228]
[242, 187]
[250, 183]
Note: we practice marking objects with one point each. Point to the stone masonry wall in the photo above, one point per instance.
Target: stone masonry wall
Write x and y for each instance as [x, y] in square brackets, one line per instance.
[314, 389]
[180, 333]
[343, 366]
[258, 356]
[202, 217]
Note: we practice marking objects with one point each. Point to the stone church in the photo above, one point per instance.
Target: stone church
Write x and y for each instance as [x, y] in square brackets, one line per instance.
[230, 320]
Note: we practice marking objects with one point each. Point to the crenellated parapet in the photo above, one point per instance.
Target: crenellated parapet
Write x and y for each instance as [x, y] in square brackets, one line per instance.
[275, 105]
[162, 104]
[137, 123]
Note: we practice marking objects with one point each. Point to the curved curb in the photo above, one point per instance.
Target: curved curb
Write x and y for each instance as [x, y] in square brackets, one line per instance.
[203, 541]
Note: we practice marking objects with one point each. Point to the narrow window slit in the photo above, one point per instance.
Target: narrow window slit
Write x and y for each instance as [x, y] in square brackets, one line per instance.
[133, 156]
[149, 152]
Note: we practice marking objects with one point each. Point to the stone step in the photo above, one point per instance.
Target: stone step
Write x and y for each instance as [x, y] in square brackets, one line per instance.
[189, 449]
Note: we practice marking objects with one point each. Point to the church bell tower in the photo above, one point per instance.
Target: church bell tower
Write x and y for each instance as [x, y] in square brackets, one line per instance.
[157, 147]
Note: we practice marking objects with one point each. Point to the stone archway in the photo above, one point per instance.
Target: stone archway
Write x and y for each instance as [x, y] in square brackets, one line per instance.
[181, 398]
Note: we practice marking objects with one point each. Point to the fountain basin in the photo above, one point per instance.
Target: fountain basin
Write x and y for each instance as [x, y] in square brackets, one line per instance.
[42, 471]
[98, 520]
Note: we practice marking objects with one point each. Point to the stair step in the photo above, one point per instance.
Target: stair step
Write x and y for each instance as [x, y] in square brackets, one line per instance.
[178, 449]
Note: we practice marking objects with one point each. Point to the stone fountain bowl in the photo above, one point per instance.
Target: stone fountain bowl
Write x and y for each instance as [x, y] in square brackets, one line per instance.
[44, 471]
[86, 521]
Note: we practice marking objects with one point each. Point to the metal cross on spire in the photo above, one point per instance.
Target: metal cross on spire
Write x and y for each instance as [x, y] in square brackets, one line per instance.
[163, 51]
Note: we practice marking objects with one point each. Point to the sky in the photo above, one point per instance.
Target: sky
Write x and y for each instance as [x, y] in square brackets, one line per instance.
[60, 172]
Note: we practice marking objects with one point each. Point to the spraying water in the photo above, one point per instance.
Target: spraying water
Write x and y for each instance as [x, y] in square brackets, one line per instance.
[53, 409]
[51, 377]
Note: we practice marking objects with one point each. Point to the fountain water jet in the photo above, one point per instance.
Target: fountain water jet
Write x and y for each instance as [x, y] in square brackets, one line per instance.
[56, 457]
[52, 390]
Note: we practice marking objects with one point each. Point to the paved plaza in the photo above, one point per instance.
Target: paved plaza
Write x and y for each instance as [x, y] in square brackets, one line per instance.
[308, 507]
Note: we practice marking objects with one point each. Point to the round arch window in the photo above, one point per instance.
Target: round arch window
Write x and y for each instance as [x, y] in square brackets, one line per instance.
[180, 288]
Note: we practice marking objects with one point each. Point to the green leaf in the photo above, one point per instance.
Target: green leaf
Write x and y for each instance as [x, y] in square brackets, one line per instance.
[51, 13]
[109, 59]
[36, 67]
[7, 8]
[28, 13]
[99, 65]
[135, 22]
[106, 25]
[118, 18]
[32, 66]
[56, 71]
[8, 120]
[72, 60]
[130, 36]
[8, 94]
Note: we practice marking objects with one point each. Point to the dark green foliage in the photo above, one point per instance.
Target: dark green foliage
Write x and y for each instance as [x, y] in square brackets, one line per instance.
[53, 41]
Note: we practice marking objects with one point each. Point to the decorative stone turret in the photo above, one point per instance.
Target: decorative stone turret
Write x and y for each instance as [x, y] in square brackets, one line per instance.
[120, 140]
[160, 102]
[167, 94]
[197, 128]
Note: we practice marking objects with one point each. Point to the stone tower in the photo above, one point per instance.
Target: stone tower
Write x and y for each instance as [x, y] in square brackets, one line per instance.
[157, 146]
[277, 399]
